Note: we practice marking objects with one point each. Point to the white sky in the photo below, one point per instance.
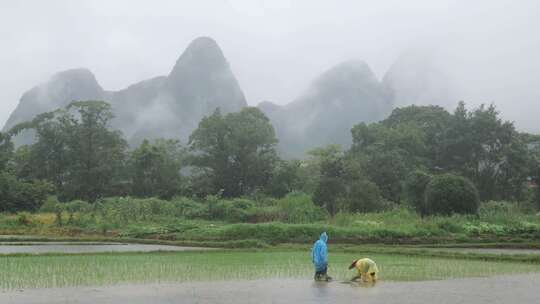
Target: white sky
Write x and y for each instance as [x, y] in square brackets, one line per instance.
[276, 47]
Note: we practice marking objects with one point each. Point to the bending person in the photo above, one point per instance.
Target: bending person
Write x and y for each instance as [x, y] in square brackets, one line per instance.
[367, 270]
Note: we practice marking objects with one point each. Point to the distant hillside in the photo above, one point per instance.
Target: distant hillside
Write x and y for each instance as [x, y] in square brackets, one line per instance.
[167, 106]
[341, 97]
[415, 78]
[171, 106]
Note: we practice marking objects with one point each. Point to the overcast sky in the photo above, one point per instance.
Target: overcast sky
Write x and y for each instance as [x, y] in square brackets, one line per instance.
[276, 47]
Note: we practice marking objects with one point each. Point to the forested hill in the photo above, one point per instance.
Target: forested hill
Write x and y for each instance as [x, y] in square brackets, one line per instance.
[172, 106]
[337, 100]
[168, 106]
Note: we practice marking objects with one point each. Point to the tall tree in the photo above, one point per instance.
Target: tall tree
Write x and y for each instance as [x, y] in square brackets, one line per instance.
[76, 150]
[237, 151]
[432, 121]
[487, 150]
[155, 168]
[6, 150]
[330, 160]
[386, 154]
[97, 152]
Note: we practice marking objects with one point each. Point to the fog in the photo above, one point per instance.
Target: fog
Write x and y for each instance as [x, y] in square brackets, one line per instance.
[489, 49]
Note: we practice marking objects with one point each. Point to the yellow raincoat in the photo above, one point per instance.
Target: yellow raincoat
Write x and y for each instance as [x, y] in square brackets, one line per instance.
[367, 269]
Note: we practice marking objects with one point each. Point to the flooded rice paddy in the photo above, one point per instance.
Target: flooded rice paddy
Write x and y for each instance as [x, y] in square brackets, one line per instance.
[188, 275]
[499, 289]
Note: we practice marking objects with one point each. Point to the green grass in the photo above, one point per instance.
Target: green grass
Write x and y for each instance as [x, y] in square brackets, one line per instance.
[496, 222]
[22, 271]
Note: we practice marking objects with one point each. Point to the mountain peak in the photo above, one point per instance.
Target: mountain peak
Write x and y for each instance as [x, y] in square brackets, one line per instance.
[77, 73]
[416, 77]
[61, 89]
[346, 72]
[202, 81]
[203, 42]
[203, 52]
[78, 79]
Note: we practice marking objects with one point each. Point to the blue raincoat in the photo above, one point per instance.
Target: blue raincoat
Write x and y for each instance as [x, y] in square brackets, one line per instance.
[320, 253]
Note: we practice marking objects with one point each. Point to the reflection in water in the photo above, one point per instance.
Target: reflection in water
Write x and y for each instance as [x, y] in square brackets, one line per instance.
[320, 289]
[360, 284]
[325, 291]
[523, 289]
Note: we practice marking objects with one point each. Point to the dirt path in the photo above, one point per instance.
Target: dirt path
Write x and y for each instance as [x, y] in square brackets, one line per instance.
[502, 289]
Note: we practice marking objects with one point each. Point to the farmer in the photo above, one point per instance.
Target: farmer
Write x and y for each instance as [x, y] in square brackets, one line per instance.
[367, 270]
[320, 258]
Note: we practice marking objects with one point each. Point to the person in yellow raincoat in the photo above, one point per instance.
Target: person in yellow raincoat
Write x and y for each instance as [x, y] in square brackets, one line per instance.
[367, 270]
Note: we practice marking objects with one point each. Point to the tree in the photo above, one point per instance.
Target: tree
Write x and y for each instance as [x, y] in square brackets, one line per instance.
[447, 193]
[488, 151]
[155, 168]
[237, 151]
[415, 187]
[97, 152]
[387, 169]
[533, 143]
[18, 195]
[76, 151]
[286, 178]
[387, 154]
[331, 172]
[6, 150]
[433, 121]
[361, 195]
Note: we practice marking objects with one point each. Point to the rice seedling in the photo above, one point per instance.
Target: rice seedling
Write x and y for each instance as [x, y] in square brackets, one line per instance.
[46, 271]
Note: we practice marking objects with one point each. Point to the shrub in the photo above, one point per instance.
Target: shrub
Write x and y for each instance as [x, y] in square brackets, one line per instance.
[126, 209]
[537, 196]
[23, 219]
[362, 196]
[18, 195]
[447, 193]
[232, 211]
[297, 207]
[190, 209]
[264, 214]
[76, 206]
[415, 187]
[499, 211]
[50, 204]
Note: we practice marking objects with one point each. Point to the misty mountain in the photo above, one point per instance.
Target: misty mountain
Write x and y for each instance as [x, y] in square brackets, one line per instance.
[60, 90]
[201, 80]
[417, 78]
[338, 99]
[168, 106]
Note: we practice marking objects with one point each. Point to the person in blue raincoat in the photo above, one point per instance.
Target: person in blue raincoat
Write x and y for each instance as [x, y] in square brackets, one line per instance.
[320, 258]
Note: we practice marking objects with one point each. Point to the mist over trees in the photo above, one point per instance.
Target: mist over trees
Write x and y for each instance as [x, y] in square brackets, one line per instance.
[413, 156]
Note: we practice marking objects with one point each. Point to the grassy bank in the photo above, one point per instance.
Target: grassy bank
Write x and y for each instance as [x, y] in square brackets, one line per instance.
[104, 269]
[495, 223]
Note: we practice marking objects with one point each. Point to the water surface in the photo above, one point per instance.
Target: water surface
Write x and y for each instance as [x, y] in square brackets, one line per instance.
[501, 289]
[83, 247]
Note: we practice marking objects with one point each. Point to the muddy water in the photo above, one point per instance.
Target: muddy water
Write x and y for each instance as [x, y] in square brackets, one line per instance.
[503, 289]
[76, 247]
